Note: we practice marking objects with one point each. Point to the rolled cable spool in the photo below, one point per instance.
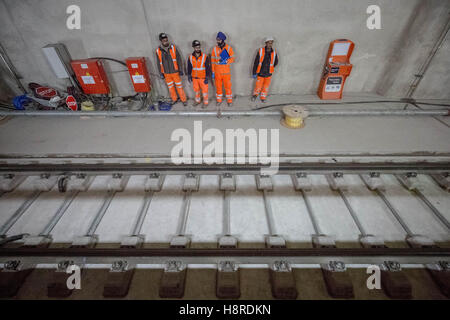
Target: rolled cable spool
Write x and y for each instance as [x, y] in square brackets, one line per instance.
[294, 116]
[87, 106]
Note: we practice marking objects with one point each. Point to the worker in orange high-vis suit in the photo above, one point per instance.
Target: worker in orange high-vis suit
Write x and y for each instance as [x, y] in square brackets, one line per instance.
[171, 68]
[263, 68]
[198, 72]
[221, 57]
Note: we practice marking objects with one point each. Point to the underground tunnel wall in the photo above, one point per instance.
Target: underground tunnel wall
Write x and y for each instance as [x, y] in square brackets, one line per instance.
[384, 60]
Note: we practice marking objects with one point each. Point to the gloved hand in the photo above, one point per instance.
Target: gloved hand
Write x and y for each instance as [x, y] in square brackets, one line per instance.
[162, 76]
[181, 73]
[254, 76]
[206, 81]
[190, 78]
[213, 76]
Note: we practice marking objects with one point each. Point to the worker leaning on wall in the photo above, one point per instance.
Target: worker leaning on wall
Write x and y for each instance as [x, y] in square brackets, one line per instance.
[171, 68]
[222, 56]
[198, 72]
[263, 67]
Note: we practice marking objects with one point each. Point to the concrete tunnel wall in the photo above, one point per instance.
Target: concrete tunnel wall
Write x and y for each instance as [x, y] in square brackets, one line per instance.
[385, 60]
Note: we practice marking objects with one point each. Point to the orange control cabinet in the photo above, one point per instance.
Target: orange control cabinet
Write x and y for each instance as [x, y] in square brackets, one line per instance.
[91, 76]
[138, 74]
[336, 70]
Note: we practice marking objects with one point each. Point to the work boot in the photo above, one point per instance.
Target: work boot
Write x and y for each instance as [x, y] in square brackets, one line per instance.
[254, 98]
[196, 103]
[230, 104]
[218, 103]
[174, 102]
[185, 103]
[263, 100]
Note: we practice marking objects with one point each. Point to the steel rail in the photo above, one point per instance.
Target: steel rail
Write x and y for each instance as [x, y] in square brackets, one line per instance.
[164, 156]
[170, 168]
[242, 256]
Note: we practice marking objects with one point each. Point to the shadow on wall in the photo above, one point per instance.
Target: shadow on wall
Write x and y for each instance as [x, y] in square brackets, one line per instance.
[6, 93]
[388, 83]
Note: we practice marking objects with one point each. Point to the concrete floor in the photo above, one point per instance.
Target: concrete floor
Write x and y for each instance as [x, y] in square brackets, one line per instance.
[357, 137]
[151, 136]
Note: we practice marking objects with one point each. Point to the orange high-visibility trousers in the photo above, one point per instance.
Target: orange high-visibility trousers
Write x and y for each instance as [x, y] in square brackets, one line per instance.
[173, 81]
[199, 84]
[225, 79]
[262, 86]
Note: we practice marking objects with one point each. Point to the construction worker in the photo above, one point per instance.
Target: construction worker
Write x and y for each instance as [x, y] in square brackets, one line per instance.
[171, 68]
[263, 68]
[221, 57]
[198, 71]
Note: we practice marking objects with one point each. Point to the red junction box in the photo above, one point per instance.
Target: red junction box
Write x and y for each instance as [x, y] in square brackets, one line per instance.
[91, 76]
[137, 69]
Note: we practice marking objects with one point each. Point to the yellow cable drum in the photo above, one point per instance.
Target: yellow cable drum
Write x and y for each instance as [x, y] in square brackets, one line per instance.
[294, 116]
[87, 106]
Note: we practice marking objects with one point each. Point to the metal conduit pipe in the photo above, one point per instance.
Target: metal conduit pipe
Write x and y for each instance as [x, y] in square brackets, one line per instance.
[313, 113]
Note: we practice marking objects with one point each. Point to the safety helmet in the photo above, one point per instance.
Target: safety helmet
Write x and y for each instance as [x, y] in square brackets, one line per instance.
[195, 43]
[162, 35]
[269, 39]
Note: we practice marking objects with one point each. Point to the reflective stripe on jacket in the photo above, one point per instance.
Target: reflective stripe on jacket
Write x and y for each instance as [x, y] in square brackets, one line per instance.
[173, 54]
[215, 58]
[262, 53]
[198, 66]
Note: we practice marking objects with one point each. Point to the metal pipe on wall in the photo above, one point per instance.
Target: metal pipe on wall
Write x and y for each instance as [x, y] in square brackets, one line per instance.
[312, 113]
[4, 57]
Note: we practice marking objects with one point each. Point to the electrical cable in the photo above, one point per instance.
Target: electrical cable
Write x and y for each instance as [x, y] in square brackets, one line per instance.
[122, 63]
[350, 102]
[112, 59]
[13, 238]
[433, 104]
[7, 106]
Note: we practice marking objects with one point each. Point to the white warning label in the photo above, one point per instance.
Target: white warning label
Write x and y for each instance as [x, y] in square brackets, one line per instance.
[138, 79]
[332, 88]
[88, 79]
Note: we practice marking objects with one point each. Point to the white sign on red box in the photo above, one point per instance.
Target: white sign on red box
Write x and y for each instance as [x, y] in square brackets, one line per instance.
[88, 79]
[138, 79]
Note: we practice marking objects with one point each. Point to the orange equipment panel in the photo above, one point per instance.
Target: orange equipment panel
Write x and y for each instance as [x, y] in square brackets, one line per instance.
[91, 76]
[139, 74]
[336, 70]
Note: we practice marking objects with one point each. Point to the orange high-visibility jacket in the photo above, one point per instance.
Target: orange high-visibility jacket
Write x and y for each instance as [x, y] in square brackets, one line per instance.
[173, 54]
[198, 66]
[262, 53]
[215, 58]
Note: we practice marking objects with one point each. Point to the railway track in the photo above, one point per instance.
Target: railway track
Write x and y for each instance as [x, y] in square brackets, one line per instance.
[332, 217]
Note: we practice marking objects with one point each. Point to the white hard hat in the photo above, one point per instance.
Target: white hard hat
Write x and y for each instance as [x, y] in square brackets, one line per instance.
[269, 39]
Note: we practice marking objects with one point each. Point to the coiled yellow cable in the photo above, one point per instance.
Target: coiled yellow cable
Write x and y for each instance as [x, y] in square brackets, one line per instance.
[293, 117]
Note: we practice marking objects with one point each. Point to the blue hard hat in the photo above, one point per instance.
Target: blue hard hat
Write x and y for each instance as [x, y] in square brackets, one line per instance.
[221, 36]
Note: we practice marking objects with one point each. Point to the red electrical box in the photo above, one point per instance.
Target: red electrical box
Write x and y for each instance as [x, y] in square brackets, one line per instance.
[138, 74]
[91, 76]
[336, 70]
